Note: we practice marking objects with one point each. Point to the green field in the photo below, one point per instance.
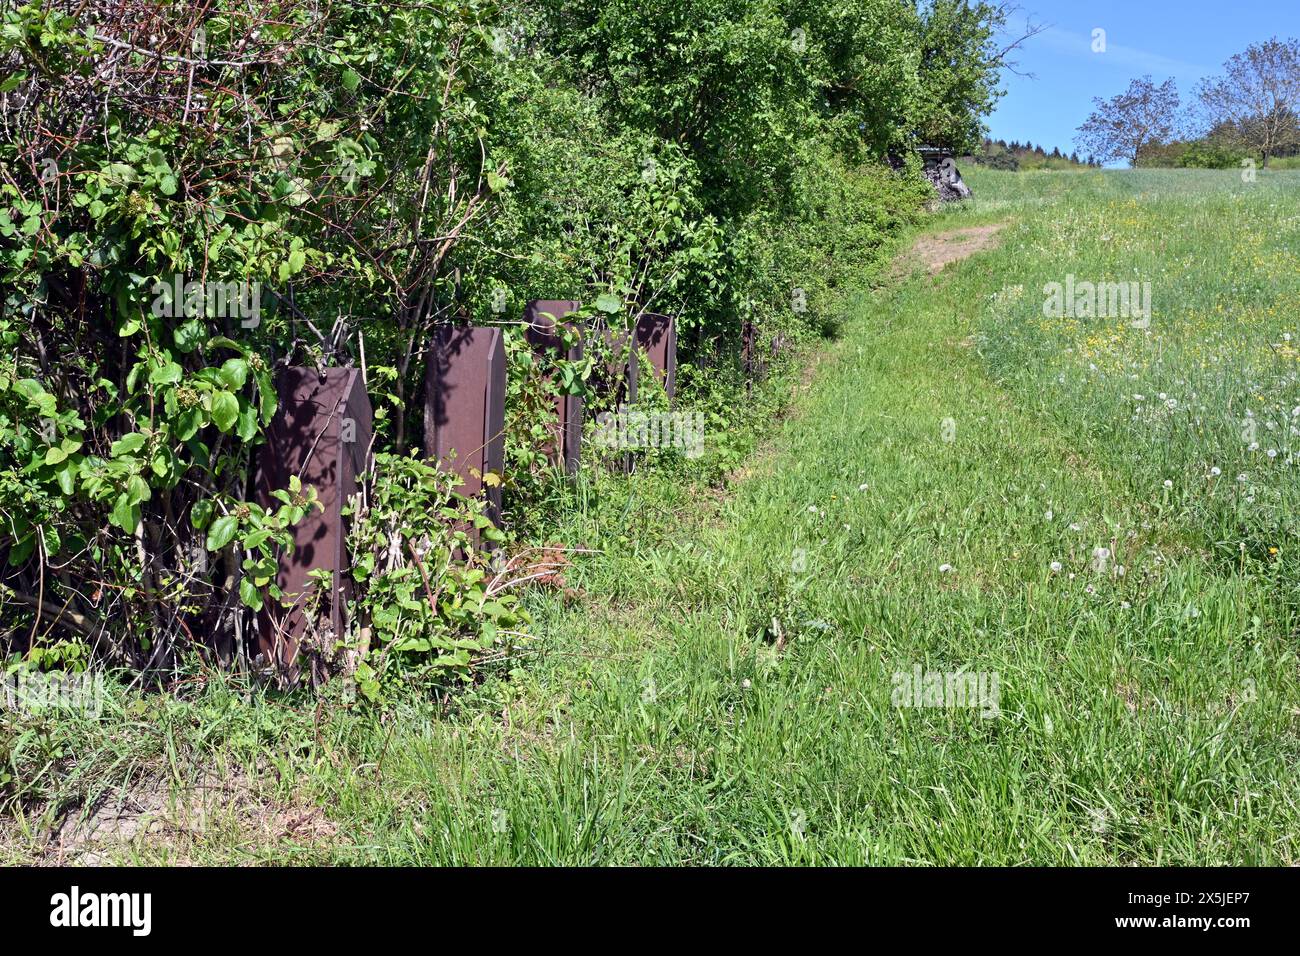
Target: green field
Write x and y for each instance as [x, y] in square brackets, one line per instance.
[718, 687]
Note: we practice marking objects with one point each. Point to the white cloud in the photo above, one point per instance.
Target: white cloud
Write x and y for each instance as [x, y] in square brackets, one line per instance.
[1117, 54]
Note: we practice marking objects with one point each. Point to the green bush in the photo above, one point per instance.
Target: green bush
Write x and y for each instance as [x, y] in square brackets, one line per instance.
[1206, 155]
[430, 601]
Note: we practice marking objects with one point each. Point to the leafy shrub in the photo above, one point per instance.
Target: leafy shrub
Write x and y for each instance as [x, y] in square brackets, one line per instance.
[1203, 154]
[431, 601]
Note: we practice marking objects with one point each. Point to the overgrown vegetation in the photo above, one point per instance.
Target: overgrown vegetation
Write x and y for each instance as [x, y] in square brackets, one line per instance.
[194, 196]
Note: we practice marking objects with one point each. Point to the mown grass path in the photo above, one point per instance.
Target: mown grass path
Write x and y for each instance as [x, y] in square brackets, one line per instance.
[725, 694]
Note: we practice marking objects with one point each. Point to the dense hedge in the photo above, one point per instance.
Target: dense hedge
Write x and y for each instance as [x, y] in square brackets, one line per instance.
[376, 169]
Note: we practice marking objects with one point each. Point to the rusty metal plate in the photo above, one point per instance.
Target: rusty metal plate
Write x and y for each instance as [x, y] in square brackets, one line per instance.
[542, 316]
[464, 408]
[656, 336]
[321, 433]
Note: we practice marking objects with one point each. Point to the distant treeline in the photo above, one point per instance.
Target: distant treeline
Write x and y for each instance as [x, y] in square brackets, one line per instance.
[999, 154]
[1218, 149]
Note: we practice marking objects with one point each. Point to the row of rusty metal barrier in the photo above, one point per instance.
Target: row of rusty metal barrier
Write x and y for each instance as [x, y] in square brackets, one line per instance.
[323, 431]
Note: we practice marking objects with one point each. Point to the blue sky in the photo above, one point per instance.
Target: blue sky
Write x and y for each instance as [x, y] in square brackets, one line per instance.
[1184, 39]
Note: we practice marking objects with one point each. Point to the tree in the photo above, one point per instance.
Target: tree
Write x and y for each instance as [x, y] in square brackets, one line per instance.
[1258, 97]
[962, 51]
[1141, 116]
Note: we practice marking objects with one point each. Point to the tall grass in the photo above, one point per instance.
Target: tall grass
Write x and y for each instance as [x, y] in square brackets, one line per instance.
[1201, 410]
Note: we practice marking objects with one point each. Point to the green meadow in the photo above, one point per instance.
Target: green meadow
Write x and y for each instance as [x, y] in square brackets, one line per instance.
[1084, 525]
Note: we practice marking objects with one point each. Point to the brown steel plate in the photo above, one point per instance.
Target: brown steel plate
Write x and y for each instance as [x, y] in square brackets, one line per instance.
[464, 408]
[321, 433]
[656, 336]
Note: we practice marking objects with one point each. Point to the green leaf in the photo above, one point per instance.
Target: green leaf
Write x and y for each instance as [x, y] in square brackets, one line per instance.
[225, 410]
[35, 393]
[138, 490]
[609, 302]
[126, 513]
[201, 514]
[162, 461]
[67, 478]
[128, 444]
[249, 594]
[167, 374]
[188, 423]
[222, 532]
[220, 341]
[246, 429]
[268, 400]
[120, 173]
[234, 373]
[189, 335]
[351, 80]
[22, 550]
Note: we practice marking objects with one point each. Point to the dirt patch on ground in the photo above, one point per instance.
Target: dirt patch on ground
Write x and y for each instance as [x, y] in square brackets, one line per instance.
[934, 252]
[164, 822]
